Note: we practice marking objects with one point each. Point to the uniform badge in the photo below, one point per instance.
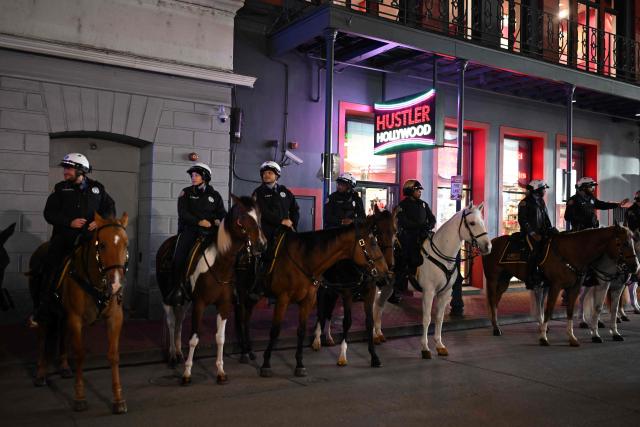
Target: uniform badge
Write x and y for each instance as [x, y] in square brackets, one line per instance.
[95, 190]
[353, 203]
[592, 202]
[283, 194]
[210, 199]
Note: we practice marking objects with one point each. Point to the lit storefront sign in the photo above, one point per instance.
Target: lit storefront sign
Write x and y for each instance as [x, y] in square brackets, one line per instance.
[406, 124]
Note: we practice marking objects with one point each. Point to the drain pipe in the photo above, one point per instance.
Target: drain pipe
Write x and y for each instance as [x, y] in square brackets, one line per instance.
[570, 92]
[330, 40]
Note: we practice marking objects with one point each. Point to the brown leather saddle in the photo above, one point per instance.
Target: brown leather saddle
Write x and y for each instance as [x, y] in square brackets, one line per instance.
[517, 250]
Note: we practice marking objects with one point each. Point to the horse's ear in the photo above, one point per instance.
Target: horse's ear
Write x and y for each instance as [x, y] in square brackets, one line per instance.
[6, 233]
[480, 206]
[376, 209]
[124, 221]
[98, 219]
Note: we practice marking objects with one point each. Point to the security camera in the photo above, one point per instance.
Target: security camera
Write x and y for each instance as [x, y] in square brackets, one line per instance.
[295, 159]
[222, 114]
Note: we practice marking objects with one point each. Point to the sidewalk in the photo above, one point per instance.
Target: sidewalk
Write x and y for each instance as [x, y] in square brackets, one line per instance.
[142, 340]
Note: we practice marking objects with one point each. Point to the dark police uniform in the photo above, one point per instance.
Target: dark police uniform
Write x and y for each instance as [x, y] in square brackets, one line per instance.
[67, 202]
[533, 217]
[194, 205]
[580, 213]
[415, 221]
[339, 206]
[275, 204]
[632, 217]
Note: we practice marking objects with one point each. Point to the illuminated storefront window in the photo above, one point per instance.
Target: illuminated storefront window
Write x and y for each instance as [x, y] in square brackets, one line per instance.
[358, 154]
[516, 174]
[577, 166]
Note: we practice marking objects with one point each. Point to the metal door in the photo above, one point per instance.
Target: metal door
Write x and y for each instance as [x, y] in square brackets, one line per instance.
[307, 213]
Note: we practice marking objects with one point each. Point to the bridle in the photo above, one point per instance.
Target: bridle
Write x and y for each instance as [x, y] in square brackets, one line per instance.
[474, 239]
[101, 269]
[362, 243]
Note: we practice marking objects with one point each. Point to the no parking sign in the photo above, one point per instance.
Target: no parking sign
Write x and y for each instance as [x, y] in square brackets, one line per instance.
[456, 187]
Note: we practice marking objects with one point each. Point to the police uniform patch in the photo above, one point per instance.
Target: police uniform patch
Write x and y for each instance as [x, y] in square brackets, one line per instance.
[95, 190]
[283, 194]
[211, 199]
[353, 203]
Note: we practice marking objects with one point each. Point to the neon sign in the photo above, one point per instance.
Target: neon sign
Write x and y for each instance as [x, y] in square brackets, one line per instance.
[405, 124]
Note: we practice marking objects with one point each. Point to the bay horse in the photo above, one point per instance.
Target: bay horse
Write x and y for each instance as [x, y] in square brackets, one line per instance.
[91, 288]
[567, 258]
[5, 299]
[239, 229]
[295, 274]
[384, 231]
[439, 270]
[611, 278]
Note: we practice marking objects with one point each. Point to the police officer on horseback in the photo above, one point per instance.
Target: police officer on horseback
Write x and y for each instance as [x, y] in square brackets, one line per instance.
[279, 212]
[581, 207]
[70, 208]
[534, 221]
[632, 215]
[344, 207]
[200, 210]
[415, 222]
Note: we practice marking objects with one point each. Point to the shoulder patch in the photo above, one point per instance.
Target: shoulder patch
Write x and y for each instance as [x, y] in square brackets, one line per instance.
[181, 194]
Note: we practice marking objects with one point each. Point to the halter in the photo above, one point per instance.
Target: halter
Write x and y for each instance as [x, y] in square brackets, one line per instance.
[102, 270]
[363, 244]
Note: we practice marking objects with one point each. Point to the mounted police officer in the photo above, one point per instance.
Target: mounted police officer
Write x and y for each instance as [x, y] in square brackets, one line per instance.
[344, 207]
[534, 221]
[279, 211]
[415, 222]
[632, 215]
[200, 210]
[581, 207]
[70, 208]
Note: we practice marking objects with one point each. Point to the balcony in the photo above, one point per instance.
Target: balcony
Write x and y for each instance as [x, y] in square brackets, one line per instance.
[511, 48]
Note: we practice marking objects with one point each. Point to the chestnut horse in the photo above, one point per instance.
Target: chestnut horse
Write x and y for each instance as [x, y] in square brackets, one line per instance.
[5, 299]
[91, 288]
[567, 256]
[295, 274]
[239, 229]
[384, 231]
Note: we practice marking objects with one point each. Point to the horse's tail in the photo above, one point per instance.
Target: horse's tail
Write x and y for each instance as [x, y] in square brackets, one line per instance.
[164, 270]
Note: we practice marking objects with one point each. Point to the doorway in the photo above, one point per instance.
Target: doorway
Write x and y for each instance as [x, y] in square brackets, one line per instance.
[117, 167]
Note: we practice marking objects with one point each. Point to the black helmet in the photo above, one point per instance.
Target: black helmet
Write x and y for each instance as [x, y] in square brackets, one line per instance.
[410, 186]
[202, 169]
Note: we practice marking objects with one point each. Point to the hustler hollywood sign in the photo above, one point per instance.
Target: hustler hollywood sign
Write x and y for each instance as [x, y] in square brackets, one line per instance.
[405, 124]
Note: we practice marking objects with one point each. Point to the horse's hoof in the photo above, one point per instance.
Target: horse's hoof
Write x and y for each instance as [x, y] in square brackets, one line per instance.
[342, 362]
[600, 324]
[66, 373]
[316, 345]
[80, 405]
[544, 342]
[426, 354]
[584, 325]
[442, 351]
[300, 372]
[119, 407]
[173, 363]
[497, 332]
[618, 337]
[222, 379]
[574, 343]
[624, 318]
[636, 310]
[266, 372]
[597, 340]
[377, 340]
[252, 356]
[330, 342]
[40, 381]
[618, 320]
[244, 358]
[376, 363]
[186, 381]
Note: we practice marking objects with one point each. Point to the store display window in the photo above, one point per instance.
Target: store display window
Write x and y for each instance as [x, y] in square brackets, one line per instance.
[516, 174]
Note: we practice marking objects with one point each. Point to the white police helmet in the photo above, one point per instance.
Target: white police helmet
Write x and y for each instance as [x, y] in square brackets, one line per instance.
[537, 184]
[272, 166]
[77, 161]
[347, 178]
[202, 169]
[585, 181]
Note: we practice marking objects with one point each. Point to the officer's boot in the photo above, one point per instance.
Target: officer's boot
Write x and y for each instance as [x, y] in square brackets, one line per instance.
[42, 298]
[176, 296]
[533, 278]
[257, 289]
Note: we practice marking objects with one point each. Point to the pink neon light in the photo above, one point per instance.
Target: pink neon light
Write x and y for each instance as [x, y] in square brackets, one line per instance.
[405, 104]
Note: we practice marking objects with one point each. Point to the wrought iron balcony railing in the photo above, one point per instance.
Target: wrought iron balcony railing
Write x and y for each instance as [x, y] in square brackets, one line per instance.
[508, 25]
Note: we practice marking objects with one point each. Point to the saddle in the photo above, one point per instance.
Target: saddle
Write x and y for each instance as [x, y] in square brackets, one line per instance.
[518, 249]
[166, 265]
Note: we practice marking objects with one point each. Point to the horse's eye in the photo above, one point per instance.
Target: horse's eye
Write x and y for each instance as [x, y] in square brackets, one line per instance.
[472, 223]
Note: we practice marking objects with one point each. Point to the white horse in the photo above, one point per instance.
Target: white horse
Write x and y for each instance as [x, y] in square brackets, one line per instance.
[439, 271]
[610, 277]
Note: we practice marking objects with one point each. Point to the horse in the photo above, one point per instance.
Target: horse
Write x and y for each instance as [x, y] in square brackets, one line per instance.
[242, 214]
[384, 231]
[239, 229]
[295, 274]
[90, 288]
[611, 278]
[6, 302]
[566, 260]
[439, 270]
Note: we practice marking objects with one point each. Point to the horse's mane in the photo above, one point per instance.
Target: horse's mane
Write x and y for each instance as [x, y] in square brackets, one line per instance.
[225, 240]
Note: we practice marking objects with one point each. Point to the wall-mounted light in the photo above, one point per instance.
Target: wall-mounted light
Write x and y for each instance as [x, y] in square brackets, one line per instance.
[293, 145]
[93, 146]
[193, 157]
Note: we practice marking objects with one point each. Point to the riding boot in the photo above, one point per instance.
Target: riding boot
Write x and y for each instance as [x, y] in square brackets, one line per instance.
[534, 278]
[257, 289]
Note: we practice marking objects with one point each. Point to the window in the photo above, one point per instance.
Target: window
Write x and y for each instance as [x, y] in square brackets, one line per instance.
[447, 167]
[577, 170]
[358, 153]
[516, 174]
